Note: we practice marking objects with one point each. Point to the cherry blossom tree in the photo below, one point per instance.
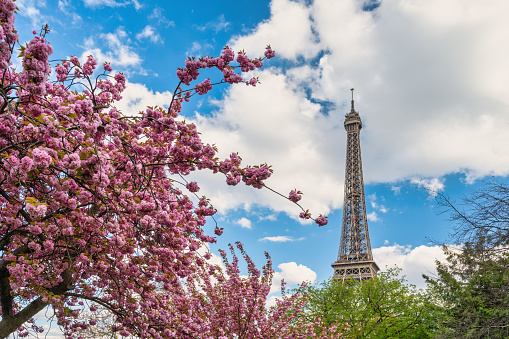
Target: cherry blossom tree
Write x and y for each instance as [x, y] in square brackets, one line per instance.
[235, 305]
[90, 215]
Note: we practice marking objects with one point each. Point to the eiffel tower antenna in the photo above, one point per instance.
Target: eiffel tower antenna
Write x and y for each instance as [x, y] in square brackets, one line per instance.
[353, 110]
[355, 259]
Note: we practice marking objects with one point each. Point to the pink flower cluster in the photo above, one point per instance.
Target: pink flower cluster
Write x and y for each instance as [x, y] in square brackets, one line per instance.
[62, 71]
[231, 77]
[227, 55]
[8, 36]
[305, 215]
[203, 87]
[36, 67]
[245, 64]
[41, 158]
[36, 211]
[107, 67]
[254, 176]
[295, 196]
[223, 63]
[89, 66]
[321, 220]
[269, 53]
[252, 82]
[193, 187]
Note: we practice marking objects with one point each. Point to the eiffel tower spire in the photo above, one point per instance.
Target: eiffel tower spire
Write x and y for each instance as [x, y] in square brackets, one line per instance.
[354, 257]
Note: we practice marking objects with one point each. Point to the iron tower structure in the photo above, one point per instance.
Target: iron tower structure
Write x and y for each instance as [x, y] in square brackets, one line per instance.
[355, 259]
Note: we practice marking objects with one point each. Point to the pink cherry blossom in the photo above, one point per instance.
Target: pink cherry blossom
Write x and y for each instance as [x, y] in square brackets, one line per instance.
[204, 87]
[193, 187]
[321, 220]
[305, 215]
[252, 82]
[295, 196]
[269, 53]
[36, 66]
[107, 67]
[92, 215]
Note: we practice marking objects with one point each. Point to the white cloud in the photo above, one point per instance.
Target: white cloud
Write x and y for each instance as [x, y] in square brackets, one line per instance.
[111, 3]
[373, 217]
[431, 92]
[136, 4]
[285, 130]
[289, 31]
[413, 261]
[198, 49]
[150, 33]
[244, 223]
[280, 238]
[433, 185]
[29, 8]
[136, 97]
[396, 190]
[119, 50]
[292, 274]
[66, 7]
[381, 208]
[217, 25]
[270, 217]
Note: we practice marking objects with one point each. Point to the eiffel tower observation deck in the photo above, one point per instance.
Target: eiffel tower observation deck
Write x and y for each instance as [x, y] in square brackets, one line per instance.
[355, 259]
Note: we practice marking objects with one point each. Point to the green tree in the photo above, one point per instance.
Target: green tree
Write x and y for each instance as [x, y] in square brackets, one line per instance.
[472, 287]
[472, 284]
[383, 307]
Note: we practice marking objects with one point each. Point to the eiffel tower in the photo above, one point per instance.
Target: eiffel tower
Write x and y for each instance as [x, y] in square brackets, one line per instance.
[355, 259]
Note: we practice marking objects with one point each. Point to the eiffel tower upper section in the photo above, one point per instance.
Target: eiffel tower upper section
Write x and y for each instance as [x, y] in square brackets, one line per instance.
[355, 259]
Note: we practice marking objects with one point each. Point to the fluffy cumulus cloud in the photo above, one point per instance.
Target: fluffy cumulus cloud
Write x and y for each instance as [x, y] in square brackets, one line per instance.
[149, 33]
[431, 80]
[433, 185]
[286, 130]
[293, 274]
[373, 217]
[117, 49]
[244, 223]
[413, 261]
[137, 97]
[288, 30]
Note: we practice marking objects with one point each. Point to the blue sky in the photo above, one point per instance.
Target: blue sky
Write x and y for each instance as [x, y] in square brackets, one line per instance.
[431, 80]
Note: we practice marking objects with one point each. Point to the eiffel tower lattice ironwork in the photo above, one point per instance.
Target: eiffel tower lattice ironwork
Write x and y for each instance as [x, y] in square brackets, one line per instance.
[355, 259]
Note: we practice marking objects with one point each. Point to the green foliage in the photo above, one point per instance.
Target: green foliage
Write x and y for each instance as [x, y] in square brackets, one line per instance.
[472, 287]
[383, 307]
